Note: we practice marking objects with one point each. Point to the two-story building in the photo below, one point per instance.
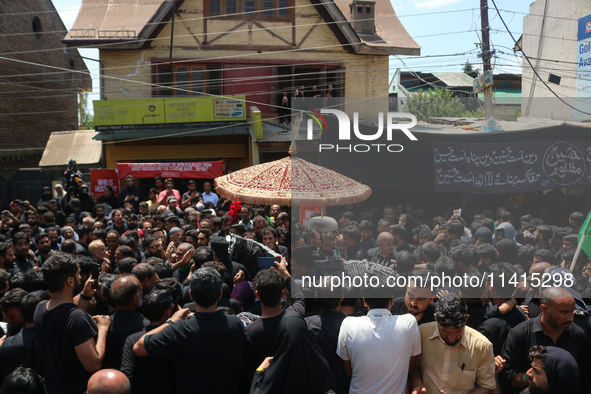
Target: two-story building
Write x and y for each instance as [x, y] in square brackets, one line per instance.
[259, 49]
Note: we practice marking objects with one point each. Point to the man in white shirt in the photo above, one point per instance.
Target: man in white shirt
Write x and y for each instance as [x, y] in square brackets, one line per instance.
[379, 350]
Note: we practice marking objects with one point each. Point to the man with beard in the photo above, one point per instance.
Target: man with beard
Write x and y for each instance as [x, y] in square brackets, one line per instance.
[553, 371]
[455, 358]
[33, 221]
[70, 353]
[553, 327]
[131, 222]
[191, 197]
[130, 194]
[54, 237]
[98, 252]
[270, 241]
[7, 255]
[43, 248]
[100, 214]
[154, 247]
[24, 259]
[418, 300]
[118, 223]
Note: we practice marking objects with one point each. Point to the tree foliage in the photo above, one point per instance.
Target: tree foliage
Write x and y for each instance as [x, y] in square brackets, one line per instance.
[436, 102]
[87, 116]
[468, 67]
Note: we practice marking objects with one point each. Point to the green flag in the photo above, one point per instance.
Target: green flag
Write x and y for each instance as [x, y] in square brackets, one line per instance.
[586, 229]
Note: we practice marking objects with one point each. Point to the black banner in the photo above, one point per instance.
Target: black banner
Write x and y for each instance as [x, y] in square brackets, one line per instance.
[514, 167]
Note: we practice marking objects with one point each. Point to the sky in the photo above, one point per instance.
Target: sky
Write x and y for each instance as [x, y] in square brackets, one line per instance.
[440, 27]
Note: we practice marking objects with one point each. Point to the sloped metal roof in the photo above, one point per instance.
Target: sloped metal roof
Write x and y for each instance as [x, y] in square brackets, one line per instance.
[454, 79]
[117, 20]
[65, 145]
[209, 131]
[273, 133]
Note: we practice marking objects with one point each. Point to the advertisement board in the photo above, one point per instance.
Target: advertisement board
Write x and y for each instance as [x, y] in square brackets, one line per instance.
[166, 112]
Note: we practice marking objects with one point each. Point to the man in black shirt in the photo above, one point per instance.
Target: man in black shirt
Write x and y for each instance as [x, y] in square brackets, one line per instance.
[150, 374]
[10, 304]
[118, 224]
[126, 295]
[325, 328]
[269, 289]
[207, 349]
[401, 238]
[69, 350]
[384, 253]
[24, 260]
[220, 246]
[191, 197]
[147, 276]
[23, 348]
[352, 242]
[552, 328]
[130, 194]
[43, 247]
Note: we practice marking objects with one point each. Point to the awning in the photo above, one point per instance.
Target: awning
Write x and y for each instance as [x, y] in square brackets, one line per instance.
[65, 145]
[193, 170]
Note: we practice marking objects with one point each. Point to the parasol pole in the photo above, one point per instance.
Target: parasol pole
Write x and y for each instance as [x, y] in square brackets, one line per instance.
[295, 130]
[580, 245]
[577, 253]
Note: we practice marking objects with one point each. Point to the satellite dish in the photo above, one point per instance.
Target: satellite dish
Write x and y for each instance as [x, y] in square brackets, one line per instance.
[322, 223]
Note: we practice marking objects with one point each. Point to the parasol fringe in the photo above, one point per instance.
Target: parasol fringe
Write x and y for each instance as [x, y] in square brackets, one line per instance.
[225, 188]
[262, 200]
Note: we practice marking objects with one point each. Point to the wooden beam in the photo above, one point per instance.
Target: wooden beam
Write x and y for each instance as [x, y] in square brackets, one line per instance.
[268, 30]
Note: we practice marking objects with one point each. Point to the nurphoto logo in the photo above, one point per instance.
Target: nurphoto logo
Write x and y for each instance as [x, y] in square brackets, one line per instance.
[344, 132]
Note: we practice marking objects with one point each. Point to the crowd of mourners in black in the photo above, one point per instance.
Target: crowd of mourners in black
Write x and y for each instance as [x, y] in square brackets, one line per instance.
[140, 294]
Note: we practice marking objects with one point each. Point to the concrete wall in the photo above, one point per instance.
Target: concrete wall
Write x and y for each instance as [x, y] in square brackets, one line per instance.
[553, 38]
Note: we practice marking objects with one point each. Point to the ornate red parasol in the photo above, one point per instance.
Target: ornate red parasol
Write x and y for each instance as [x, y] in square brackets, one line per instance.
[291, 181]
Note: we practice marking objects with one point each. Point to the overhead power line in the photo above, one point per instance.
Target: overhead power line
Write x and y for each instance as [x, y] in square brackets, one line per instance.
[534, 69]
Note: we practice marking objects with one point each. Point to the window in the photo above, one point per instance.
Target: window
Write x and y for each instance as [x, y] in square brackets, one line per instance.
[268, 7]
[188, 79]
[284, 7]
[215, 7]
[231, 7]
[37, 27]
[249, 6]
[247, 9]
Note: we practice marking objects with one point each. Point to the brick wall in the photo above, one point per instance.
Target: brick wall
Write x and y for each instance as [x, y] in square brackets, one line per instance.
[36, 100]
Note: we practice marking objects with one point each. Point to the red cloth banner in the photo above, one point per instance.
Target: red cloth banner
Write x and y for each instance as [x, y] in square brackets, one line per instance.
[99, 179]
[306, 213]
[195, 170]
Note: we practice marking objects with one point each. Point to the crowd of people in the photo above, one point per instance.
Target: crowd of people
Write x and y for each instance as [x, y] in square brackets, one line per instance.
[139, 294]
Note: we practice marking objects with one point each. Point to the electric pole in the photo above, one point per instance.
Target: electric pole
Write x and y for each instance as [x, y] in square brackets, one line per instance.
[485, 35]
[490, 123]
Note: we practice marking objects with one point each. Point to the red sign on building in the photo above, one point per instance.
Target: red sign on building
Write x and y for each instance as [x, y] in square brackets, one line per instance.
[99, 179]
[195, 170]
